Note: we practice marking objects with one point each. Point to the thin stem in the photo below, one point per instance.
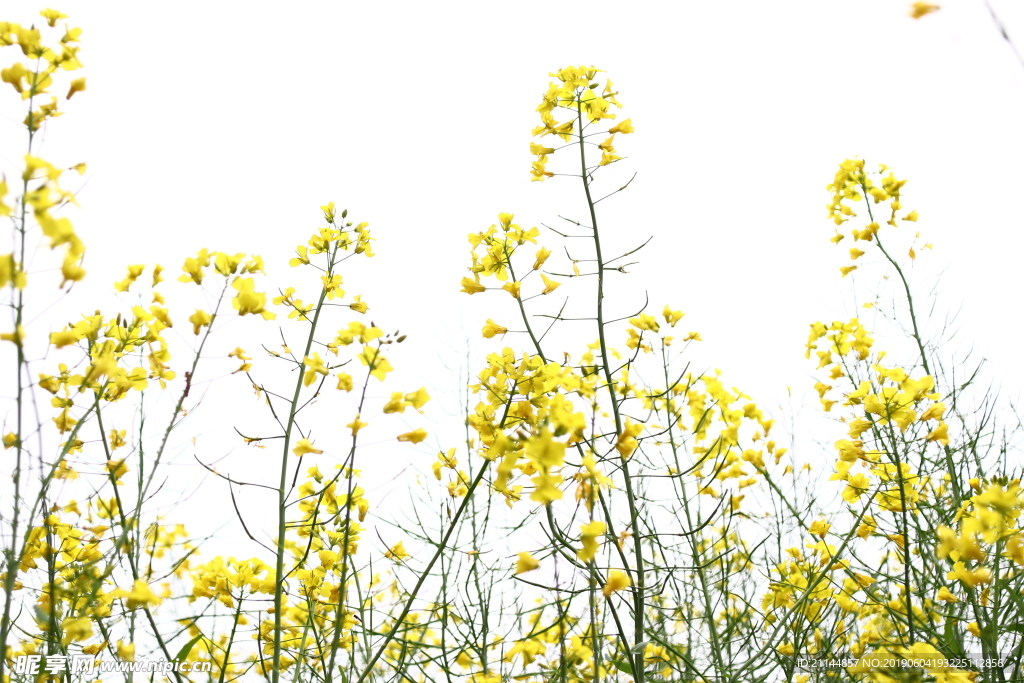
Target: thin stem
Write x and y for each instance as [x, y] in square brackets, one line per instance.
[640, 587]
[282, 495]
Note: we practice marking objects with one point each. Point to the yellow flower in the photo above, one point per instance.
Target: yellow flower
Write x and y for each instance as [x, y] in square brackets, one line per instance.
[539, 170]
[858, 427]
[935, 412]
[141, 594]
[378, 364]
[248, 300]
[471, 286]
[314, 366]
[199, 319]
[194, 267]
[939, 434]
[645, 322]
[51, 16]
[971, 577]
[9, 271]
[672, 317]
[125, 651]
[819, 527]
[492, 329]
[397, 403]
[545, 454]
[239, 353]
[589, 533]
[920, 9]
[945, 595]
[624, 127]
[332, 286]
[856, 486]
[134, 271]
[627, 443]
[14, 74]
[418, 398]
[846, 270]
[302, 258]
[513, 288]
[526, 563]
[549, 285]
[415, 436]
[359, 306]
[542, 256]
[1015, 549]
[397, 552]
[356, 424]
[76, 629]
[117, 469]
[328, 558]
[305, 446]
[617, 581]
[227, 264]
[329, 212]
[955, 547]
[15, 337]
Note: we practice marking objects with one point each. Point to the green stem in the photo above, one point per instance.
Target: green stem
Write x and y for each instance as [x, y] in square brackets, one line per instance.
[13, 559]
[282, 494]
[640, 586]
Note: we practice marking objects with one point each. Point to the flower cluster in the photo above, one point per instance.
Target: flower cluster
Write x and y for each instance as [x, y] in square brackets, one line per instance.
[576, 92]
[41, 185]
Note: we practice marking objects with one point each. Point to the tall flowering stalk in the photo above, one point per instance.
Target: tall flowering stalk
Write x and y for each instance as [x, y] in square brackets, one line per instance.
[615, 547]
[577, 90]
[40, 196]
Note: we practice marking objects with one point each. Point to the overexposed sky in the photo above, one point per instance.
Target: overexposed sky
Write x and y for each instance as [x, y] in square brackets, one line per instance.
[225, 125]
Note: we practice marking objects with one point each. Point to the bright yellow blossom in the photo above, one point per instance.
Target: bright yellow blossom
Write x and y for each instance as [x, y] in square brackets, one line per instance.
[920, 9]
[492, 329]
[617, 580]
[526, 563]
[415, 436]
[589, 535]
[305, 446]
